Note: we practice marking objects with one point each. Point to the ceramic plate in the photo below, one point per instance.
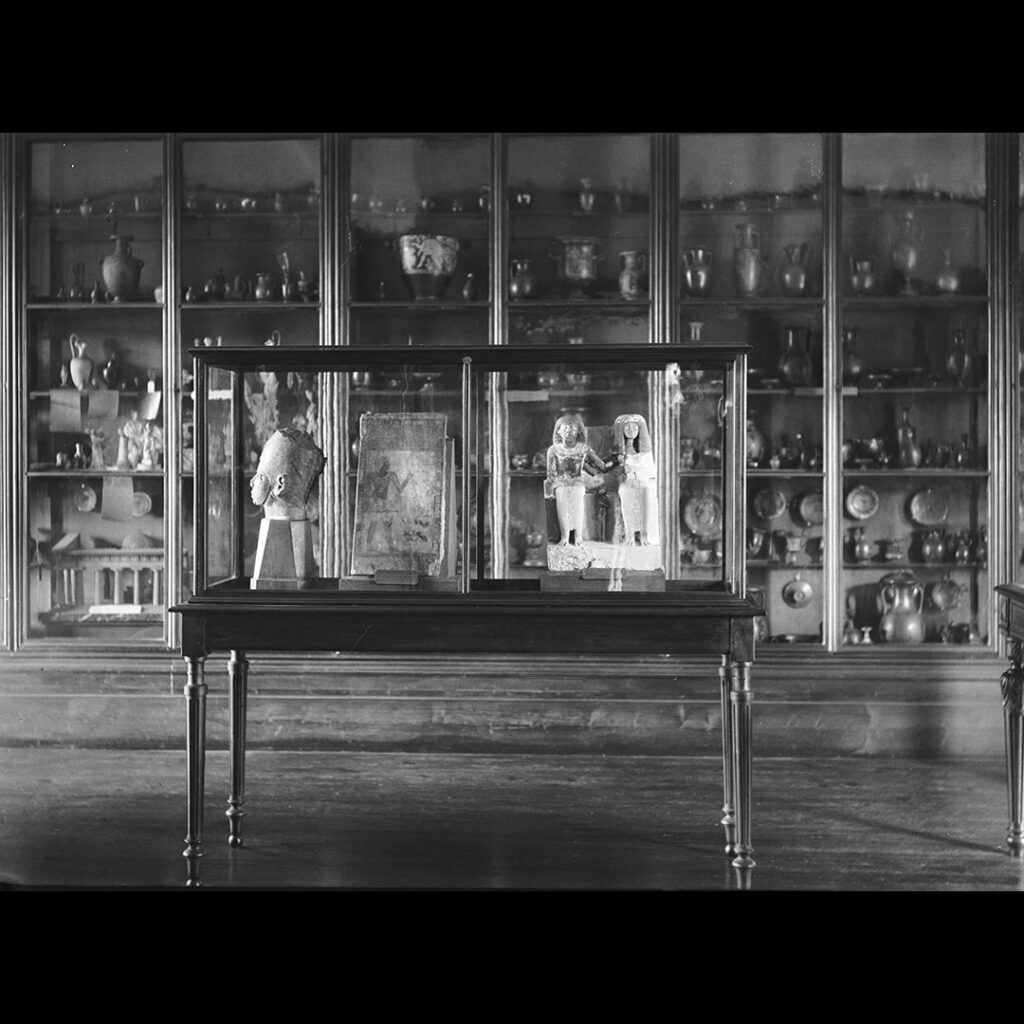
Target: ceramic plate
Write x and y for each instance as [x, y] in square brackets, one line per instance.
[929, 508]
[797, 593]
[141, 503]
[769, 503]
[85, 498]
[703, 515]
[812, 509]
[862, 502]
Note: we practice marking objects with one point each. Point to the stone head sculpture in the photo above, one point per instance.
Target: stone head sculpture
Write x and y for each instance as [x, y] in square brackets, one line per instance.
[289, 466]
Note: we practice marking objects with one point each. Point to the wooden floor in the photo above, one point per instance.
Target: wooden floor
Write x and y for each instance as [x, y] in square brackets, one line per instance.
[382, 821]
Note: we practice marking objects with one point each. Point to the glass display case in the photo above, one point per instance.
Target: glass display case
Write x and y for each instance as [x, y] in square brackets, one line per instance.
[429, 433]
[93, 505]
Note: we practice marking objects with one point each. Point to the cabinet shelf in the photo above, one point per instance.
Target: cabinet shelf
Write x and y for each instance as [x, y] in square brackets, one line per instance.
[963, 474]
[814, 474]
[855, 392]
[53, 305]
[613, 305]
[89, 391]
[913, 303]
[251, 307]
[733, 309]
[942, 567]
[425, 306]
[77, 474]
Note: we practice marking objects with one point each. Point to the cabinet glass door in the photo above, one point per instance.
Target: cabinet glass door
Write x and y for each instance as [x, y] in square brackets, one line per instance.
[93, 391]
[750, 264]
[249, 273]
[419, 216]
[915, 446]
[579, 240]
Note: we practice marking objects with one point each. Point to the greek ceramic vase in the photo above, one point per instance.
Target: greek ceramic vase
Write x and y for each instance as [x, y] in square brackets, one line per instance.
[794, 270]
[111, 371]
[631, 277]
[948, 279]
[120, 270]
[908, 451]
[80, 365]
[959, 359]
[697, 264]
[853, 365]
[906, 250]
[469, 289]
[862, 275]
[933, 547]
[523, 283]
[863, 548]
[76, 293]
[795, 362]
[577, 262]
[902, 600]
[428, 264]
[747, 261]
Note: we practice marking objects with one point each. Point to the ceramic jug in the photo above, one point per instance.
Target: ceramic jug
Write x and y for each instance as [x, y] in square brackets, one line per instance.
[933, 547]
[862, 275]
[948, 279]
[523, 283]
[120, 270]
[697, 264]
[747, 262]
[959, 359]
[794, 270]
[631, 277]
[755, 443]
[795, 362]
[262, 289]
[908, 451]
[80, 365]
[902, 601]
[853, 365]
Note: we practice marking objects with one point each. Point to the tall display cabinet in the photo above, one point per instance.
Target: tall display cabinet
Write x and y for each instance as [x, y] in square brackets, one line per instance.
[871, 275]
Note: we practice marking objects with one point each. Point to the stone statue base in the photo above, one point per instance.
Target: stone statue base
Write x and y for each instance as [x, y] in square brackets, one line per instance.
[284, 556]
[598, 554]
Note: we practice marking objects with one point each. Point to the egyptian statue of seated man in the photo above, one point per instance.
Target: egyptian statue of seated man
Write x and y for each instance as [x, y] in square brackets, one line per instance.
[289, 466]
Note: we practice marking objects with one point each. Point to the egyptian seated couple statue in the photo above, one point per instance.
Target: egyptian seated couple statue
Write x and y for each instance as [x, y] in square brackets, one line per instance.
[626, 480]
[288, 468]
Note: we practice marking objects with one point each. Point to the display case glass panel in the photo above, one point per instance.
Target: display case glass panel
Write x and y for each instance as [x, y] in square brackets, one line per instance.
[579, 245]
[93, 391]
[750, 238]
[418, 217]
[915, 412]
[557, 462]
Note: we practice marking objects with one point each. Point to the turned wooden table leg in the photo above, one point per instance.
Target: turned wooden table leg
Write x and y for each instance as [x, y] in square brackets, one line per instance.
[195, 753]
[742, 696]
[1012, 685]
[729, 804]
[238, 677]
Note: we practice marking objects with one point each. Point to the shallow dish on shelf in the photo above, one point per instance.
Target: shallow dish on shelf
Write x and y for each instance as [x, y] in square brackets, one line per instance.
[797, 592]
[85, 498]
[811, 508]
[769, 503]
[141, 503]
[703, 515]
[862, 502]
[929, 507]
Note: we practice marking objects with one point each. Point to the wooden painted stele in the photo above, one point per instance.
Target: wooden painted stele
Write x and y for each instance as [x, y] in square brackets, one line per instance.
[403, 505]
[288, 468]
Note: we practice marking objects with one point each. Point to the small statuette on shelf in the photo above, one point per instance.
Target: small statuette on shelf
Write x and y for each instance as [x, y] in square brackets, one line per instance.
[151, 382]
[469, 289]
[587, 195]
[85, 208]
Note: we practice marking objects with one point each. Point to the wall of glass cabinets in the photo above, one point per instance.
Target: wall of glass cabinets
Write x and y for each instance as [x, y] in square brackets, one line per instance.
[872, 275]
